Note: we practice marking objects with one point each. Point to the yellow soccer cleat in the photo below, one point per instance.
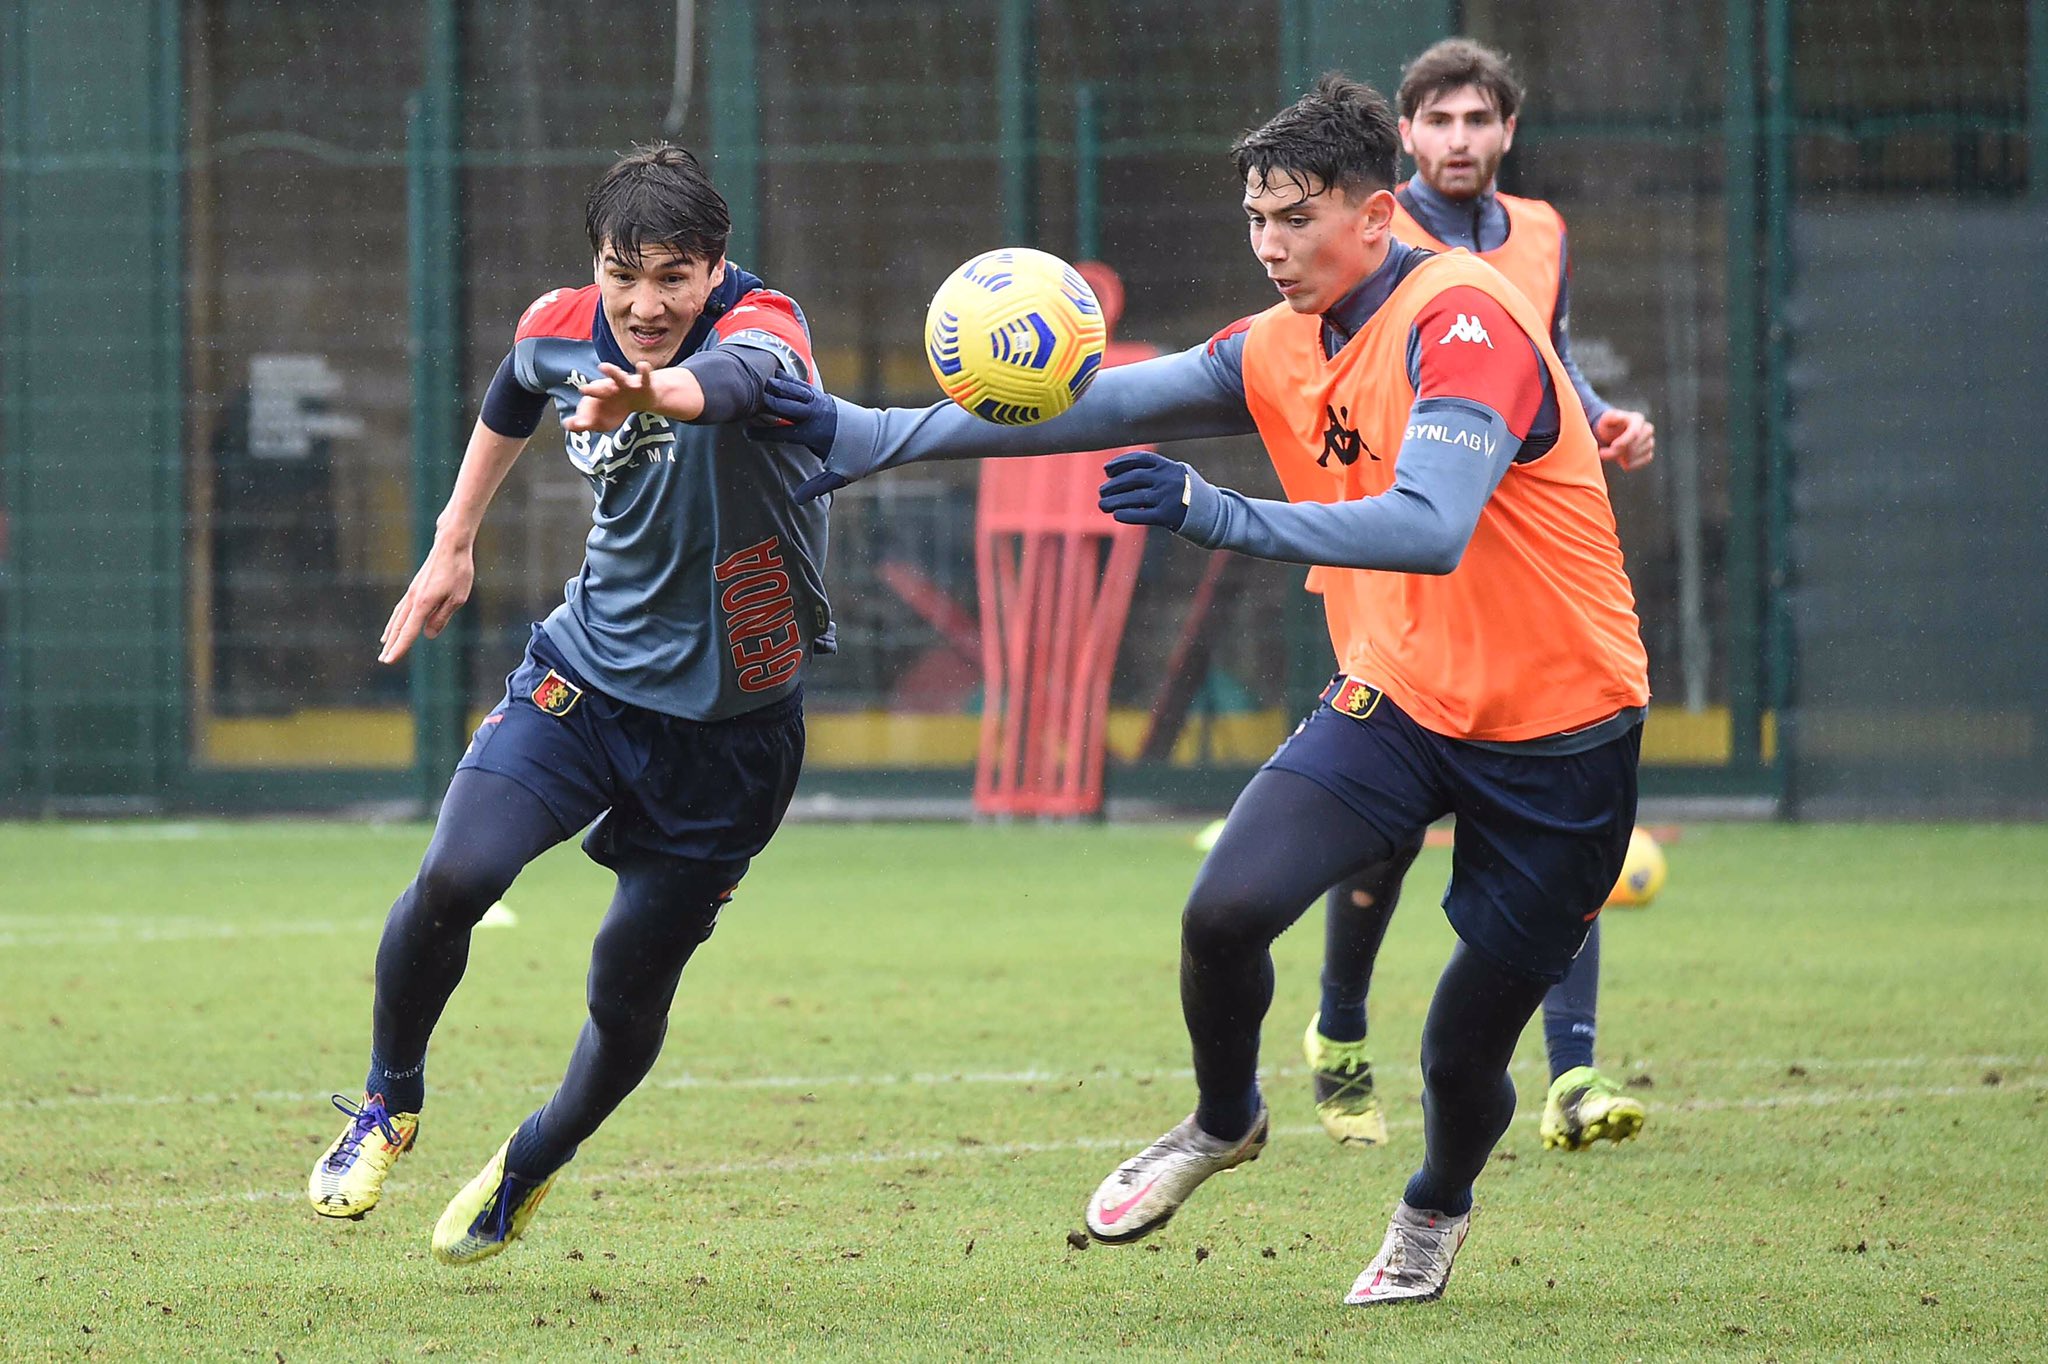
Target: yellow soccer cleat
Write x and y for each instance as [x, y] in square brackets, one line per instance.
[489, 1214]
[348, 1180]
[1584, 1107]
[1345, 1101]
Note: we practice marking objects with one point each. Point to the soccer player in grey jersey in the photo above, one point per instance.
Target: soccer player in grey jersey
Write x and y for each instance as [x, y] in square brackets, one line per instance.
[662, 699]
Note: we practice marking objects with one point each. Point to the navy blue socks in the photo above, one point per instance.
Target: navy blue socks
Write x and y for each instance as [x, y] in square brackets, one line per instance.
[1568, 1010]
[404, 1090]
[1229, 1119]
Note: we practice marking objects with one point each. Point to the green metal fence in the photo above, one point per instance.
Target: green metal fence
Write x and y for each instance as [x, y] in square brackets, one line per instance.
[260, 262]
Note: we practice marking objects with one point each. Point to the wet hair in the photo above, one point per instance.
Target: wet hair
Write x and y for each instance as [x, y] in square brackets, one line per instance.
[1341, 135]
[657, 195]
[1454, 64]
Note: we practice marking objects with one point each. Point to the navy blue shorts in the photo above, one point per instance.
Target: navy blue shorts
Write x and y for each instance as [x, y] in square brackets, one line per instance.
[1539, 839]
[711, 792]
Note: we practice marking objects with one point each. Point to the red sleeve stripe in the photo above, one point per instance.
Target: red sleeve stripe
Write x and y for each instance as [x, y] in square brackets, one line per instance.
[765, 310]
[1243, 324]
[559, 312]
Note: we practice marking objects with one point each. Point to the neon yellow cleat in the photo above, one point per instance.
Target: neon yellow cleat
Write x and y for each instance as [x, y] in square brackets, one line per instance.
[1584, 1107]
[348, 1180]
[1345, 1102]
[489, 1214]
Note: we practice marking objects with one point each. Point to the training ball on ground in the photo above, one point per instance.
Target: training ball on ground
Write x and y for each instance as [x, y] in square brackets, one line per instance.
[1642, 872]
[1014, 336]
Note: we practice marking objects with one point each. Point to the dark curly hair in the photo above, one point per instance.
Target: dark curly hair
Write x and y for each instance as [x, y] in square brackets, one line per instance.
[1454, 64]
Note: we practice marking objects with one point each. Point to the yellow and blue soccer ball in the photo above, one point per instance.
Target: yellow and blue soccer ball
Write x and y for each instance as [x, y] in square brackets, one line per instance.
[1014, 336]
[1642, 872]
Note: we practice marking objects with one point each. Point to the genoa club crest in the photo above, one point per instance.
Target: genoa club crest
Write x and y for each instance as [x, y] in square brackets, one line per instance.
[1355, 698]
[556, 694]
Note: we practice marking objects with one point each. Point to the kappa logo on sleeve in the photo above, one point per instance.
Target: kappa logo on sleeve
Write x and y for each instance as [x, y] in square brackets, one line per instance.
[556, 695]
[549, 297]
[1466, 328]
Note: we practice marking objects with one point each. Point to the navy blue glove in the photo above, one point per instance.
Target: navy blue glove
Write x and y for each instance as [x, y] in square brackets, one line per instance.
[799, 413]
[1148, 489]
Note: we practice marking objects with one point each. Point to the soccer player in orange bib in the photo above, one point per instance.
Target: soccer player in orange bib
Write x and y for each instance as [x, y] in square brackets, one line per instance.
[1458, 103]
[1437, 458]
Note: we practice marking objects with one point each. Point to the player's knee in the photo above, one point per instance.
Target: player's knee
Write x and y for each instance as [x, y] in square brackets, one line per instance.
[1216, 924]
[457, 889]
[694, 928]
[638, 1023]
[635, 966]
[1442, 1074]
[1453, 1073]
[665, 930]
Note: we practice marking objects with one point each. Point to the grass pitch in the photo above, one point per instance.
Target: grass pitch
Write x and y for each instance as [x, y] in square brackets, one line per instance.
[909, 1053]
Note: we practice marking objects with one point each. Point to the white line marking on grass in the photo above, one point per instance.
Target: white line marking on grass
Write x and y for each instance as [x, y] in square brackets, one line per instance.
[1822, 1098]
[165, 1204]
[159, 1100]
[1002, 1150]
[137, 833]
[1835, 1062]
[935, 1079]
[105, 930]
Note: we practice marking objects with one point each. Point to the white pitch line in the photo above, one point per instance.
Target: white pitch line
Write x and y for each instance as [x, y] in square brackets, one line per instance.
[99, 933]
[138, 833]
[995, 1150]
[1033, 1076]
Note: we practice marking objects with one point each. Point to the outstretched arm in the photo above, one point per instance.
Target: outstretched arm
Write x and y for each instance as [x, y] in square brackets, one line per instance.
[443, 582]
[1195, 393]
[723, 384]
[615, 395]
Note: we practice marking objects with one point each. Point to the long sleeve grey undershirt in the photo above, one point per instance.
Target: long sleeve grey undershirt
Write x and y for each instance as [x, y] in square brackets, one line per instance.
[1184, 396]
[732, 377]
[1453, 455]
[1561, 340]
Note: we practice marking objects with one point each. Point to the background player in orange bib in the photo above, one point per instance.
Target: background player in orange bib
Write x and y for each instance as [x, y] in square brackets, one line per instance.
[1459, 103]
[1436, 457]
